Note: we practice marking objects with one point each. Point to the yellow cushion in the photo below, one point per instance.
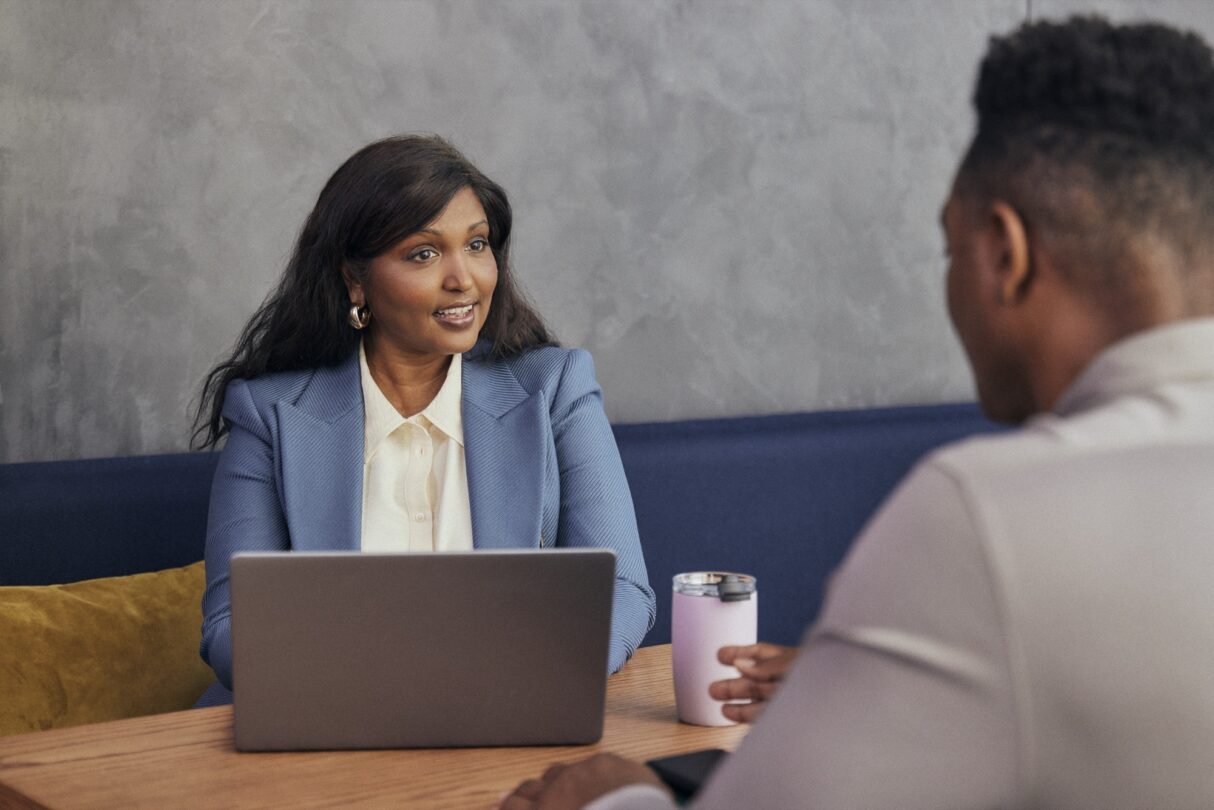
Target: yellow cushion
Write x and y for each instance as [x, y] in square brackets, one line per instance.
[100, 649]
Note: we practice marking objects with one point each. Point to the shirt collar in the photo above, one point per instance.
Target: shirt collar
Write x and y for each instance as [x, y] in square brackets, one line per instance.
[444, 410]
[380, 418]
[1176, 352]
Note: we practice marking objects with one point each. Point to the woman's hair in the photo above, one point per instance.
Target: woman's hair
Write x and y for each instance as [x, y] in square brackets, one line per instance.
[383, 193]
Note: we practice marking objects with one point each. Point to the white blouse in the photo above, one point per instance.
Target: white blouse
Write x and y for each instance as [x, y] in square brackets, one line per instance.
[415, 484]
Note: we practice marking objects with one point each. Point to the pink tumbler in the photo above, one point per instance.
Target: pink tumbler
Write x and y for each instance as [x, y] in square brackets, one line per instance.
[710, 610]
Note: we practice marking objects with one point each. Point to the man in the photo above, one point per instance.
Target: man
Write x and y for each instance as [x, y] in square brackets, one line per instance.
[1029, 620]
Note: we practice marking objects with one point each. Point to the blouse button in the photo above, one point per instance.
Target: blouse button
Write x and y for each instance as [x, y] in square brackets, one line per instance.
[419, 517]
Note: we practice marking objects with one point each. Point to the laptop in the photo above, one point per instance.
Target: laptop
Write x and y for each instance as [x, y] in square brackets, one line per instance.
[334, 650]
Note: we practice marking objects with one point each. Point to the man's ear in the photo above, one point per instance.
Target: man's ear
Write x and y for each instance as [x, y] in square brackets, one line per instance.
[1010, 251]
[354, 287]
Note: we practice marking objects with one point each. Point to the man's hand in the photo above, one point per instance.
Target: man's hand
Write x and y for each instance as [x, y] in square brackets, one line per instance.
[762, 667]
[569, 786]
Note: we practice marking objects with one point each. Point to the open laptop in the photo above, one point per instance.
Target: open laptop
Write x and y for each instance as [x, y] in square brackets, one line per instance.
[351, 650]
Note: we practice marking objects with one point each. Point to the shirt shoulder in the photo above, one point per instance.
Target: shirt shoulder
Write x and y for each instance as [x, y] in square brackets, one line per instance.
[1147, 422]
[996, 453]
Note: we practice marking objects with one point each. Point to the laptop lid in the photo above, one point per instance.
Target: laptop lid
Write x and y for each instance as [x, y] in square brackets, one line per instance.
[352, 650]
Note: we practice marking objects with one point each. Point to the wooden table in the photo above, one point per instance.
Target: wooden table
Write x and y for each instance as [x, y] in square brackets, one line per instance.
[186, 759]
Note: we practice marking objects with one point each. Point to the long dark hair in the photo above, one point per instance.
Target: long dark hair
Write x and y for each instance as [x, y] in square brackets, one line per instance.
[383, 193]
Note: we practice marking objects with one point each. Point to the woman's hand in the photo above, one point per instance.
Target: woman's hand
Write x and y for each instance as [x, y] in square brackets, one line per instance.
[762, 667]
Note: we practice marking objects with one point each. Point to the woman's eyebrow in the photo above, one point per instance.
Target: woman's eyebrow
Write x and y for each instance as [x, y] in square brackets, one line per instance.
[437, 232]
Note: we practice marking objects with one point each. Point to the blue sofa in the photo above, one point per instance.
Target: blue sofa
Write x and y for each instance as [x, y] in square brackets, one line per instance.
[780, 497]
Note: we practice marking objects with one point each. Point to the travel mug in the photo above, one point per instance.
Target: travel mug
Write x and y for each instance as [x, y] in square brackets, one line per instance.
[709, 610]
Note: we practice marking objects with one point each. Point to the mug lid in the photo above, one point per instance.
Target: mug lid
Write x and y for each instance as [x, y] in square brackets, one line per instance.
[724, 585]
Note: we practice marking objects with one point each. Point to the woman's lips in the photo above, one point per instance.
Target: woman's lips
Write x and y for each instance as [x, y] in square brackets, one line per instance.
[459, 316]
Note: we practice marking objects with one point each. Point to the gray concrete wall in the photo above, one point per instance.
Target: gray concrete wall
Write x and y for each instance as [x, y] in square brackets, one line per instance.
[731, 204]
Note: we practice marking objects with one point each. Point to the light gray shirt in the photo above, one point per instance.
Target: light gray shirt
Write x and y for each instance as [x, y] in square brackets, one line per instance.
[1028, 621]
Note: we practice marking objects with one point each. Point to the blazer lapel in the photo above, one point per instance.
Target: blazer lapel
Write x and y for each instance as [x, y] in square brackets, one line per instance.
[321, 447]
[505, 452]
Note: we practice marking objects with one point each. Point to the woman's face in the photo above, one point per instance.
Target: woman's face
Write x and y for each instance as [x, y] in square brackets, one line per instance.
[429, 294]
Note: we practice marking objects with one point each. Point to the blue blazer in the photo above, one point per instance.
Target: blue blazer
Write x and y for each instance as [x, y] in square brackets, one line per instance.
[543, 470]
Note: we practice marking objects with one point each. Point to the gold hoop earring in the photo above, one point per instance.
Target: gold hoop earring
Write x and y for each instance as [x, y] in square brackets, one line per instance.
[359, 317]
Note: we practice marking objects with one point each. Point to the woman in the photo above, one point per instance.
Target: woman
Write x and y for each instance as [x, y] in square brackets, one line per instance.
[395, 392]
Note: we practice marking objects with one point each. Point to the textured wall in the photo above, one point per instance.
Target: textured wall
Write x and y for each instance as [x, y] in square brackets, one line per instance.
[731, 204]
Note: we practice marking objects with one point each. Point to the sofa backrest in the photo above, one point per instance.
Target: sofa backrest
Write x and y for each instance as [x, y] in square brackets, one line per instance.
[780, 497]
[63, 521]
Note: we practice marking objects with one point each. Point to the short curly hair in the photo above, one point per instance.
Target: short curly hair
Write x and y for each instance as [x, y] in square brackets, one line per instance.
[1099, 135]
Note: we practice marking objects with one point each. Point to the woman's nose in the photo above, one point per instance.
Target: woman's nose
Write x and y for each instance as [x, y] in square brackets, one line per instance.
[458, 277]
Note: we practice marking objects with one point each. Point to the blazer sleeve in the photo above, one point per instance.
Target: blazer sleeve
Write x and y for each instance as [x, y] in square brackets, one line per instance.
[245, 515]
[596, 505]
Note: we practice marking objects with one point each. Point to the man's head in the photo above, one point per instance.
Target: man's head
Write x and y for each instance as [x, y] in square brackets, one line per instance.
[1084, 209]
